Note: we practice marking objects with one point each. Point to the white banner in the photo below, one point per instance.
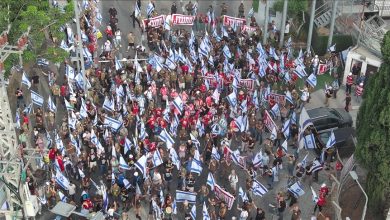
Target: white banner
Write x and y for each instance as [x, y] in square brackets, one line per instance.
[154, 22]
[232, 21]
[224, 196]
[178, 19]
[248, 29]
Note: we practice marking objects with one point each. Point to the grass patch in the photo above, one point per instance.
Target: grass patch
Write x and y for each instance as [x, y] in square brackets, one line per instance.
[321, 80]
[256, 4]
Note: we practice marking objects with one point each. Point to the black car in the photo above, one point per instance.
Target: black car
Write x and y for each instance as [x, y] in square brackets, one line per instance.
[329, 118]
[344, 140]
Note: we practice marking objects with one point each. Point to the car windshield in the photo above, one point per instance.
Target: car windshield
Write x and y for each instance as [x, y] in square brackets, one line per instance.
[335, 113]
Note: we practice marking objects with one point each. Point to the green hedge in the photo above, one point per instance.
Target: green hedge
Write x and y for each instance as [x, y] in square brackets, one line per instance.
[256, 4]
[320, 43]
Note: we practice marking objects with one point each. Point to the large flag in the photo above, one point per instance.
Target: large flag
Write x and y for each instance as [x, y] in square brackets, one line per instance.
[36, 99]
[141, 165]
[51, 106]
[175, 159]
[331, 141]
[137, 10]
[289, 97]
[232, 98]
[304, 123]
[284, 146]
[165, 137]
[243, 195]
[300, 71]
[215, 155]
[114, 124]
[296, 189]
[258, 188]
[108, 104]
[122, 163]
[150, 9]
[182, 196]
[157, 159]
[69, 72]
[275, 110]
[314, 195]
[309, 141]
[317, 166]
[62, 180]
[211, 181]
[312, 80]
[178, 104]
[258, 159]
[25, 80]
[196, 166]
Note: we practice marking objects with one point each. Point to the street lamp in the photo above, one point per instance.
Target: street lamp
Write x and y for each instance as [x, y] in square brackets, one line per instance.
[355, 177]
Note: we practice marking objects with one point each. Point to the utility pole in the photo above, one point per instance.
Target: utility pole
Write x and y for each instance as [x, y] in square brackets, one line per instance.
[10, 163]
[283, 27]
[331, 30]
[266, 21]
[79, 45]
[311, 24]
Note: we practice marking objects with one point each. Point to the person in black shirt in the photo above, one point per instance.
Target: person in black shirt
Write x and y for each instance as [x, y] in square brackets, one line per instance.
[173, 8]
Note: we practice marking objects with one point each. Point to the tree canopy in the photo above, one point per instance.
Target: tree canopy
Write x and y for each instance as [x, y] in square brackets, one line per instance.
[295, 7]
[373, 130]
[45, 23]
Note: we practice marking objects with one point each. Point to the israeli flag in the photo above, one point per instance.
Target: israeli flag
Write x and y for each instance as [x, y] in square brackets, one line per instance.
[235, 156]
[310, 141]
[204, 49]
[243, 195]
[141, 165]
[312, 80]
[83, 109]
[178, 104]
[73, 141]
[332, 48]
[69, 34]
[64, 46]
[196, 166]
[286, 129]
[115, 125]
[258, 160]
[182, 196]
[300, 71]
[128, 145]
[289, 42]
[157, 160]
[28, 109]
[26, 81]
[82, 174]
[274, 134]
[118, 64]
[251, 13]
[36, 99]
[242, 123]
[122, 163]
[169, 62]
[331, 141]
[275, 111]
[17, 119]
[232, 99]
[304, 161]
[127, 183]
[62, 196]
[304, 122]
[51, 106]
[261, 51]
[216, 36]
[150, 9]
[62, 180]
[175, 159]
[105, 198]
[215, 155]
[95, 141]
[193, 212]
[314, 195]
[72, 120]
[69, 107]
[284, 146]
[142, 131]
[296, 189]
[226, 52]
[258, 189]
[174, 125]
[137, 10]
[195, 140]
[205, 212]
[293, 118]
[108, 105]
[59, 144]
[200, 127]
[289, 97]
[317, 166]
[211, 181]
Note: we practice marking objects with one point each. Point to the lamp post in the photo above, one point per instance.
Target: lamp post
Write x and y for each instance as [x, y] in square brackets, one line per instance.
[355, 177]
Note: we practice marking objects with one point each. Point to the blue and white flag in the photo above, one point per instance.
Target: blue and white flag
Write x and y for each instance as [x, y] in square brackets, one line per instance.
[195, 140]
[182, 196]
[62, 180]
[242, 123]
[69, 107]
[142, 131]
[157, 160]
[141, 165]
[211, 181]
[62, 196]
[236, 158]
[150, 9]
[69, 72]
[28, 109]
[286, 129]
[137, 10]
[285, 146]
[312, 80]
[258, 160]
[175, 159]
[226, 52]
[304, 122]
[83, 109]
[51, 106]
[178, 104]
[108, 104]
[314, 195]
[128, 145]
[72, 120]
[275, 111]
[193, 212]
[232, 99]
[251, 13]
[36, 99]
[105, 198]
[293, 118]
[300, 71]
[332, 48]
[122, 163]
[310, 141]
[258, 189]
[165, 137]
[274, 133]
[196, 166]
[113, 180]
[81, 173]
[17, 120]
[304, 161]
[289, 97]
[243, 195]
[331, 141]
[118, 64]
[25, 80]
[59, 144]
[317, 166]
[114, 124]
[215, 155]
[296, 189]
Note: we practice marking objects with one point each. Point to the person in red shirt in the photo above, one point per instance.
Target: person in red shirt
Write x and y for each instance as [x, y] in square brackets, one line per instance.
[324, 190]
[320, 203]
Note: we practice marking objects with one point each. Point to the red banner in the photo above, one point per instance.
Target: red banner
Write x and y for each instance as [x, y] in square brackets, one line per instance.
[281, 99]
[154, 22]
[178, 19]
[224, 196]
[323, 68]
[232, 21]
[268, 122]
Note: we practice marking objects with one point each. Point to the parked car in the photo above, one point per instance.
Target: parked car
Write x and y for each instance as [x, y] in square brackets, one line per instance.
[344, 140]
[329, 118]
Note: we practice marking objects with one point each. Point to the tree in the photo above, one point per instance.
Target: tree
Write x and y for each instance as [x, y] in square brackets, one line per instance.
[45, 23]
[295, 7]
[373, 132]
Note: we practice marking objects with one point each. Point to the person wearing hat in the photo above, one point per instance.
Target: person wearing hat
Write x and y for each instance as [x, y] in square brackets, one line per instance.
[349, 83]
[304, 97]
[328, 94]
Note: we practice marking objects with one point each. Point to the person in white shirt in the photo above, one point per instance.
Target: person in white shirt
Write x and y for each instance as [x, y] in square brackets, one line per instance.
[304, 98]
[287, 29]
[118, 38]
[233, 179]
[71, 190]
